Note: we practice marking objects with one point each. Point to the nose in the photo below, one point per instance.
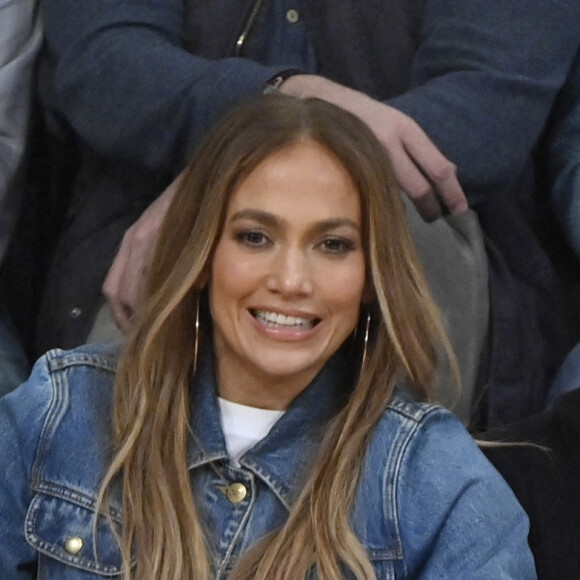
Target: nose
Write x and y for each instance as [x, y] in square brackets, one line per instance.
[291, 274]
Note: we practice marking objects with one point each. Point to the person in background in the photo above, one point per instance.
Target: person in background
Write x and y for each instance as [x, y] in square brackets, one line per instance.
[457, 92]
[269, 414]
[540, 456]
[542, 466]
[561, 168]
[20, 40]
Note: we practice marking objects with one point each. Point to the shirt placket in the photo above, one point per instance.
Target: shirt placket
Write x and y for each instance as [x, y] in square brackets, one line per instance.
[229, 493]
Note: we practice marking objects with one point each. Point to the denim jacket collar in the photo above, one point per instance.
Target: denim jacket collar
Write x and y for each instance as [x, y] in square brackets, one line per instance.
[274, 459]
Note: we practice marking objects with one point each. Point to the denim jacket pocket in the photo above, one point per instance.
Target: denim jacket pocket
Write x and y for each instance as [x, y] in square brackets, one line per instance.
[63, 530]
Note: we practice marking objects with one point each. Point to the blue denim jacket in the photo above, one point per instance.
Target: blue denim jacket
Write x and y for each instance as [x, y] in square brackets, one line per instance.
[428, 504]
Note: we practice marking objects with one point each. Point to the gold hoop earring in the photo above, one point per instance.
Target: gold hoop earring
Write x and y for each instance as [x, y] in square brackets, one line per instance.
[366, 340]
[196, 344]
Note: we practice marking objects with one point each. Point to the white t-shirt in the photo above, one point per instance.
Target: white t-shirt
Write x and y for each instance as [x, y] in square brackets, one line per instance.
[244, 426]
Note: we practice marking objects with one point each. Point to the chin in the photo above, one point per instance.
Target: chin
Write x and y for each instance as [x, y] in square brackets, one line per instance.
[281, 370]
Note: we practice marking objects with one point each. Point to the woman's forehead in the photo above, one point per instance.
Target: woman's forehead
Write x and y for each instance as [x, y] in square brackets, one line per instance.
[303, 176]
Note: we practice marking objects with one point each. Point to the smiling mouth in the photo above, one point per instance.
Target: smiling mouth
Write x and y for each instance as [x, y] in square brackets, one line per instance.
[278, 320]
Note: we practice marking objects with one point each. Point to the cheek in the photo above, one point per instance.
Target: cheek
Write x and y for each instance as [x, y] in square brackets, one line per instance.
[345, 287]
[231, 275]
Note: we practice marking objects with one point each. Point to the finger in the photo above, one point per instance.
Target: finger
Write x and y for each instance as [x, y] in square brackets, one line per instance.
[439, 172]
[124, 281]
[130, 289]
[124, 284]
[416, 186]
[113, 284]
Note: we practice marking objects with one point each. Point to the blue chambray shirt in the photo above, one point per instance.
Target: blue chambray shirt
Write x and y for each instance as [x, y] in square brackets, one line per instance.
[428, 504]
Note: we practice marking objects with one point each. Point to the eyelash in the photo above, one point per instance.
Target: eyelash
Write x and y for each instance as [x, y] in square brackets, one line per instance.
[345, 245]
[248, 237]
[333, 246]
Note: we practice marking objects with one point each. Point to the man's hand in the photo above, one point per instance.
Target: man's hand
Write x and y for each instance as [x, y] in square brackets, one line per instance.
[124, 282]
[420, 168]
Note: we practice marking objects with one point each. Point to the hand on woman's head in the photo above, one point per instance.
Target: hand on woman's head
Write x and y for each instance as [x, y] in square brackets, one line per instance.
[123, 285]
[290, 211]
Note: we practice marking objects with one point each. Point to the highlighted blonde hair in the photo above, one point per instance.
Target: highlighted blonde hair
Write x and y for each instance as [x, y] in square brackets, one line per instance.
[152, 388]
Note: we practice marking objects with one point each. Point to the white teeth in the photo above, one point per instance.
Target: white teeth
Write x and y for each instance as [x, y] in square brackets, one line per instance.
[282, 320]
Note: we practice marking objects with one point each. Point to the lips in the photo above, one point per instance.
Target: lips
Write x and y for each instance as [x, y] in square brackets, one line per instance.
[275, 319]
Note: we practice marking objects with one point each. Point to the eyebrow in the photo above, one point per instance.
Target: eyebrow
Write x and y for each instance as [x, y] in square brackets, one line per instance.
[271, 220]
[258, 215]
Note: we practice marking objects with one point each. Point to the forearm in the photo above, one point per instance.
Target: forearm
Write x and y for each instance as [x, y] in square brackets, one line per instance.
[149, 99]
[484, 79]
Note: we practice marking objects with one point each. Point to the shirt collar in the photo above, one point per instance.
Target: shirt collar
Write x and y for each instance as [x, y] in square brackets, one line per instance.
[283, 458]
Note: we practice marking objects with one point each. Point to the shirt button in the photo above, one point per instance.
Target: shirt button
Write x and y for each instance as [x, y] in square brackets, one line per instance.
[75, 312]
[292, 16]
[73, 545]
[236, 492]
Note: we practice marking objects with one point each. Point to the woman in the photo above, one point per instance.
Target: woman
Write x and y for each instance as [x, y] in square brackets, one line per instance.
[285, 283]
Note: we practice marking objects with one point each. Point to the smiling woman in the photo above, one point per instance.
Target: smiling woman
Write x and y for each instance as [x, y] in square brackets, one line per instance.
[270, 410]
[287, 276]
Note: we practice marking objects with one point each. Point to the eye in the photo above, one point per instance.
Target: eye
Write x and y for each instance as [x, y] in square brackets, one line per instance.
[252, 238]
[337, 245]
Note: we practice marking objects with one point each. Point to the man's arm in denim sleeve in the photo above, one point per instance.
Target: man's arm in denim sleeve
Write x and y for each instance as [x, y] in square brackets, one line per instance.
[128, 87]
[485, 76]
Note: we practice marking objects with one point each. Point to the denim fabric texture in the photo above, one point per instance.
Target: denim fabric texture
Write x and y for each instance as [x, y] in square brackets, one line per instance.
[428, 504]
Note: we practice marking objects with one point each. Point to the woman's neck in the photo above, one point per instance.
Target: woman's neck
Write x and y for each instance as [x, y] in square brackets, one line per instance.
[240, 385]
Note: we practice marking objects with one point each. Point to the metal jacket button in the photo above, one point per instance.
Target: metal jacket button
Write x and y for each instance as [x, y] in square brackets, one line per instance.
[73, 545]
[292, 16]
[75, 312]
[236, 492]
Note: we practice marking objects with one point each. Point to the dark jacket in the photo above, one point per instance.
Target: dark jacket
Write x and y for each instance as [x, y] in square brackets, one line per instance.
[545, 482]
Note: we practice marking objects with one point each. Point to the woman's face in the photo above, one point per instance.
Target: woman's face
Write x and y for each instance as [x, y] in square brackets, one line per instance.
[287, 276]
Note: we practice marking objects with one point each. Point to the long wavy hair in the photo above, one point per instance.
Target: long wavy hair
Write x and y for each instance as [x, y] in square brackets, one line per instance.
[151, 417]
